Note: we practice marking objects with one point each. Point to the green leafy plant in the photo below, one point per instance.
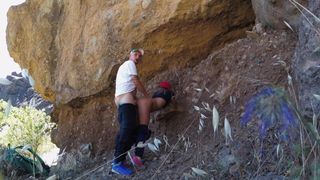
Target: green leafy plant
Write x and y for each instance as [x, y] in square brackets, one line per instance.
[24, 125]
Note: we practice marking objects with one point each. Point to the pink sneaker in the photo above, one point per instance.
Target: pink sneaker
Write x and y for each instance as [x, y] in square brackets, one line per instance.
[137, 161]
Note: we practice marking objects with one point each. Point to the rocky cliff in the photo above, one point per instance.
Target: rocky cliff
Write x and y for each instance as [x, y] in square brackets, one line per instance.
[275, 13]
[307, 61]
[303, 17]
[73, 48]
[69, 45]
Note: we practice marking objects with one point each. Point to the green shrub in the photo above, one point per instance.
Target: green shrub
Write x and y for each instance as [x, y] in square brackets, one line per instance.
[24, 125]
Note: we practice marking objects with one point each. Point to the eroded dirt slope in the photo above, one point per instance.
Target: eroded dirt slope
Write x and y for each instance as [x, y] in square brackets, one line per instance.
[239, 70]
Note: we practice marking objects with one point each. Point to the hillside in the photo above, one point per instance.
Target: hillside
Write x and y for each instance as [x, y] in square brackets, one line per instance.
[214, 53]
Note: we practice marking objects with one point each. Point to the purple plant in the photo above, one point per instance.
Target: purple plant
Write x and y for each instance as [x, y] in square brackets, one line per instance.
[274, 110]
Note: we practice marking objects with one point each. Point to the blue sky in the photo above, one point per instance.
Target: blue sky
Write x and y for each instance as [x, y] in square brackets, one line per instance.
[7, 65]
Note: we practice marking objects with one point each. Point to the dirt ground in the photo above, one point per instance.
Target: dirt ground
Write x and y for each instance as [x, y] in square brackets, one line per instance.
[238, 71]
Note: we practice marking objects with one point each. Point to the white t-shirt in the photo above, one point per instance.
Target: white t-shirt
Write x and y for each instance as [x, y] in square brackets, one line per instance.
[124, 83]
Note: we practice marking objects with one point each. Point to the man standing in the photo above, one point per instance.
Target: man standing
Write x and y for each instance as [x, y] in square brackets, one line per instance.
[127, 82]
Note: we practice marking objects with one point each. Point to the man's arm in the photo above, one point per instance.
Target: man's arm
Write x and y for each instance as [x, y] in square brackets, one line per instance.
[139, 86]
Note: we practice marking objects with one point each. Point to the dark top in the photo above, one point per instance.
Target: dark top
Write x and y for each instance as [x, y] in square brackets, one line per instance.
[164, 94]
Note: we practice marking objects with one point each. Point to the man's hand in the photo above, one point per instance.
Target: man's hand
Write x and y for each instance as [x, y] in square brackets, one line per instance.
[139, 86]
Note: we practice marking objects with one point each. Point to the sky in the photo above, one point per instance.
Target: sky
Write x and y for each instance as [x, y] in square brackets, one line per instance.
[7, 65]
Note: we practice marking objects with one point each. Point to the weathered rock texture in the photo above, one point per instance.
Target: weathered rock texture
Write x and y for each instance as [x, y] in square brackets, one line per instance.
[307, 61]
[73, 49]
[273, 13]
[86, 121]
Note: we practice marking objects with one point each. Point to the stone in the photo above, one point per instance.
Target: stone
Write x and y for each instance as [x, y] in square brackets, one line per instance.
[306, 64]
[252, 34]
[274, 13]
[259, 28]
[72, 49]
[85, 150]
[226, 159]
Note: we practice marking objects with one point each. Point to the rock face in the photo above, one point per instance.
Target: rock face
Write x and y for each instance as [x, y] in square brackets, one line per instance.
[72, 49]
[20, 93]
[273, 13]
[86, 121]
[307, 57]
[307, 61]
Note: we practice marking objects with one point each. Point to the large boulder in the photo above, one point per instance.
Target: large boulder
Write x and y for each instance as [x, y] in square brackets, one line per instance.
[73, 48]
[274, 13]
[307, 61]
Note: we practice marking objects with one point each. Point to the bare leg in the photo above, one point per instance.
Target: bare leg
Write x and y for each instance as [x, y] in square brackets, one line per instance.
[157, 104]
[143, 132]
[148, 105]
[144, 106]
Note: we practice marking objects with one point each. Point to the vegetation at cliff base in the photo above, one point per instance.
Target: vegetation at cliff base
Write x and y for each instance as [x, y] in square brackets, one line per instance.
[25, 126]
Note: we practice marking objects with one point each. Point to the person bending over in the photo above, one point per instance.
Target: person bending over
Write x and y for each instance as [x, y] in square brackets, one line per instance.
[160, 99]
